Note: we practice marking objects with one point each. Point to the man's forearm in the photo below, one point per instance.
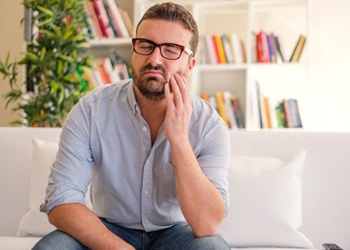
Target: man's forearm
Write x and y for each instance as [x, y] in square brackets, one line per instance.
[82, 224]
[200, 201]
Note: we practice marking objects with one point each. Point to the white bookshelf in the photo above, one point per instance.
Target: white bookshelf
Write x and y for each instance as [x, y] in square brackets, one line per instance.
[285, 18]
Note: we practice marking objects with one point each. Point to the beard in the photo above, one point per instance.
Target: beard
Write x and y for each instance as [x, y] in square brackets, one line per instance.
[150, 87]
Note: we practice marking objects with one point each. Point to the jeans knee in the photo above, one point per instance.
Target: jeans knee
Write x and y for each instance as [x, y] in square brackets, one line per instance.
[57, 240]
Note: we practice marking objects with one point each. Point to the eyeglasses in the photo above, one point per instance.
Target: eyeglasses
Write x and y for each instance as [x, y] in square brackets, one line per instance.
[169, 51]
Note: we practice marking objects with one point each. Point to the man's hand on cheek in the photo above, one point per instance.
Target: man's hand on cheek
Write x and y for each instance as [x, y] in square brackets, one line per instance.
[179, 109]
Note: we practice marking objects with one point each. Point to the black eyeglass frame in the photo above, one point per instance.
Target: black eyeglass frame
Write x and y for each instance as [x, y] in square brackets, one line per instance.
[159, 45]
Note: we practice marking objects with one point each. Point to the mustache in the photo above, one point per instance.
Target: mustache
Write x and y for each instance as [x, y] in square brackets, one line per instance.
[149, 66]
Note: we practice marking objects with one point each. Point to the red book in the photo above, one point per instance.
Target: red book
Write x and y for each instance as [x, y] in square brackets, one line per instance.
[103, 25]
[262, 47]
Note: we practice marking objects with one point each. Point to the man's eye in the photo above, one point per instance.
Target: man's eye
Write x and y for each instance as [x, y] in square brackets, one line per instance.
[171, 49]
[144, 45]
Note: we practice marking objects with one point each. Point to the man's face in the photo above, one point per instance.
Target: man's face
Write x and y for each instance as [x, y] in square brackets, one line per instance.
[151, 72]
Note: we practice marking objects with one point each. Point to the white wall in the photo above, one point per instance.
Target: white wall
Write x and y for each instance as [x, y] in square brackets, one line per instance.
[329, 55]
[329, 95]
[11, 39]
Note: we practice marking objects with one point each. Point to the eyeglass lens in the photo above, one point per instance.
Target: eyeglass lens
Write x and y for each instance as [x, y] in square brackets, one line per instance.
[168, 50]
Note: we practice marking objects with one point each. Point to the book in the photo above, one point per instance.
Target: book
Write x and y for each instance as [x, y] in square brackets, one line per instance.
[118, 19]
[237, 49]
[221, 107]
[267, 111]
[205, 96]
[262, 51]
[219, 49]
[230, 110]
[287, 114]
[279, 116]
[294, 113]
[211, 49]
[279, 54]
[112, 20]
[271, 45]
[127, 20]
[237, 111]
[203, 53]
[227, 48]
[283, 116]
[263, 113]
[101, 20]
[93, 20]
[298, 49]
[227, 106]
[273, 104]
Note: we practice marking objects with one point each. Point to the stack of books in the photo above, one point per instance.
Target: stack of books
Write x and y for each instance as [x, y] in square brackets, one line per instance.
[107, 19]
[228, 107]
[279, 114]
[221, 49]
[268, 48]
[107, 70]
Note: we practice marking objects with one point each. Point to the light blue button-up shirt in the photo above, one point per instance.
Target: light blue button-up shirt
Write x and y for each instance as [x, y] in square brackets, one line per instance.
[106, 141]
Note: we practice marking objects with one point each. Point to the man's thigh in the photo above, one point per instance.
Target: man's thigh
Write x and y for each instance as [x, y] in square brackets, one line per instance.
[181, 236]
[58, 240]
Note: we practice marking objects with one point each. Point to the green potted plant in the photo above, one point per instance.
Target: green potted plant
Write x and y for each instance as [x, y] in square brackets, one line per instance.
[54, 61]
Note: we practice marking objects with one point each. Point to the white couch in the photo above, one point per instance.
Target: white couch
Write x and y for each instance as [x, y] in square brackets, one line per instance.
[267, 214]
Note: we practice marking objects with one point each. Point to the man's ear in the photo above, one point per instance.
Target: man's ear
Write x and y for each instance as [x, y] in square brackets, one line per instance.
[190, 65]
[192, 62]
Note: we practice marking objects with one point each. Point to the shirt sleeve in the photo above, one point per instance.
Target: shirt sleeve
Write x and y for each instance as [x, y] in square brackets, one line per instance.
[214, 157]
[72, 170]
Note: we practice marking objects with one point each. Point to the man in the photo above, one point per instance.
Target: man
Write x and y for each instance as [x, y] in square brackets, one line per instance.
[156, 155]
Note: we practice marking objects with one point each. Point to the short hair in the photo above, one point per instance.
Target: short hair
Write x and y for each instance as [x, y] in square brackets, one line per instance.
[173, 12]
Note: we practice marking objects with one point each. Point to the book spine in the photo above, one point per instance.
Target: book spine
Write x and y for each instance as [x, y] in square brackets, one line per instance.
[96, 28]
[237, 49]
[220, 49]
[127, 20]
[211, 49]
[100, 19]
[237, 111]
[262, 47]
[272, 50]
[229, 110]
[119, 20]
[227, 48]
[298, 49]
[221, 107]
[279, 54]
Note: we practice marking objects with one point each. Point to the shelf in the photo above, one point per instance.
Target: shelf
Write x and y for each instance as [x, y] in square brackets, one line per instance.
[109, 42]
[287, 19]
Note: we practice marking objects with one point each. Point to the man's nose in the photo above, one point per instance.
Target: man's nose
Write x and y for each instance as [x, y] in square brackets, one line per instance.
[156, 55]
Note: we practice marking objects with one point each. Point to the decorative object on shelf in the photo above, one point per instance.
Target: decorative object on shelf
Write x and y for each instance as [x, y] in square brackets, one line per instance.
[54, 60]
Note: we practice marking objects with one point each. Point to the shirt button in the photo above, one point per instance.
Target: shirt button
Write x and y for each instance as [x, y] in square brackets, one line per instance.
[146, 192]
[144, 129]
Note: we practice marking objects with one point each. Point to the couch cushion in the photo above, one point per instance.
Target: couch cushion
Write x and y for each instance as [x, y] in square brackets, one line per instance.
[265, 202]
[17, 243]
[35, 223]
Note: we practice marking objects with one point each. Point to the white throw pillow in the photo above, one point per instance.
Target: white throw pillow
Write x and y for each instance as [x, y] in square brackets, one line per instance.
[34, 222]
[265, 203]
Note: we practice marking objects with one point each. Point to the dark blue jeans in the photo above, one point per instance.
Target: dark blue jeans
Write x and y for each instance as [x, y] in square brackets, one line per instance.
[177, 237]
